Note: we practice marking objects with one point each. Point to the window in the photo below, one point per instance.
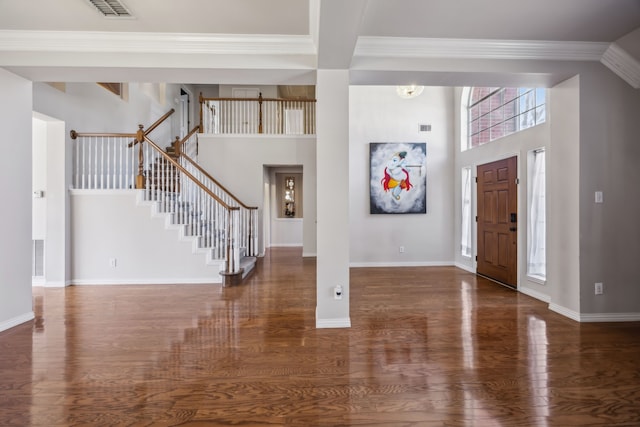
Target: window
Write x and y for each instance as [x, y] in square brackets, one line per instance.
[465, 238]
[494, 112]
[536, 238]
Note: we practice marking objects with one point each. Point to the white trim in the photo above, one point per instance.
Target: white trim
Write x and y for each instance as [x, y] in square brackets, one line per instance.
[309, 254]
[56, 284]
[408, 47]
[536, 279]
[464, 267]
[623, 64]
[573, 315]
[285, 245]
[403, 264]
[610, 317]
[333, 323]
[143, 42]
[156, 281]
[595, 317]
[37, 281]
[534, 294]
[18, 320]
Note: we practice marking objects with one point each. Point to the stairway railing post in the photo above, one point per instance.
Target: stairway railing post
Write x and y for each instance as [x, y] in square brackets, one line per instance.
[260, 113]
[140, 180]
[201, 111]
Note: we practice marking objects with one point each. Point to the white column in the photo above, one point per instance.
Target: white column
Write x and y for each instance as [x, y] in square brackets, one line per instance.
[332, 162]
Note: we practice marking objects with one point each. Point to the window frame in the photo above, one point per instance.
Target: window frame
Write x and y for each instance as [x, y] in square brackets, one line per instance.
[496, 112]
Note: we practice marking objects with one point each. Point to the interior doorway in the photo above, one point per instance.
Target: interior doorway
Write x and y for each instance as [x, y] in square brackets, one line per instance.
[498, 220]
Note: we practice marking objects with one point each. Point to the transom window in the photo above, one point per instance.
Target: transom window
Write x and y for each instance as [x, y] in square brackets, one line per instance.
[494, 112]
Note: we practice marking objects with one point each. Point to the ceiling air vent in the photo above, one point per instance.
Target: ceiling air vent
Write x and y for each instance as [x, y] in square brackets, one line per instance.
[111, 8]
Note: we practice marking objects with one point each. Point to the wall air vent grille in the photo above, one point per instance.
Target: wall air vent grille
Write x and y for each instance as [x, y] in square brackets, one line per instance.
[111, 8]
[425, 128]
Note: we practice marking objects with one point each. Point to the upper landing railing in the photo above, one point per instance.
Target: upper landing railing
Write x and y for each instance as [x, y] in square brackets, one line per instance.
[257, 116]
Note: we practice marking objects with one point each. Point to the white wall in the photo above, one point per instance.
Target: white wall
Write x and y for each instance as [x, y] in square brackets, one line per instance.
[267, 91]
[57, 252]
[377, 114]
[39, 179]
[109, 224]
[87, 107]
[237, 162]
[563, 214]
[15, 187]
[609, 162]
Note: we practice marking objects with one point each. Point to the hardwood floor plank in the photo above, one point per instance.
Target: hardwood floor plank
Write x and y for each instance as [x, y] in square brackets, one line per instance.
[428, 346]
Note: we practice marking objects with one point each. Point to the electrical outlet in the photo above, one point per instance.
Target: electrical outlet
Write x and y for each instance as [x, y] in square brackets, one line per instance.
[599, 288]
[401, 249]
[337, 292]
[113, 262]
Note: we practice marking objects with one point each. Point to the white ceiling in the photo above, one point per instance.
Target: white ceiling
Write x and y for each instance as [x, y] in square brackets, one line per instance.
[285, 41]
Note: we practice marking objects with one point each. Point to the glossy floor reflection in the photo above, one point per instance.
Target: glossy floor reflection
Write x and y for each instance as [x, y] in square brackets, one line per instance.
[428, 347]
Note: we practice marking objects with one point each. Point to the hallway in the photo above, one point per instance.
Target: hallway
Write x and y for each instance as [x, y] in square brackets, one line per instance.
[428, 346]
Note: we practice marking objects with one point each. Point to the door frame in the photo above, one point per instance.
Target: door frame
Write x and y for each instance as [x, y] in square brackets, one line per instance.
[521, 209]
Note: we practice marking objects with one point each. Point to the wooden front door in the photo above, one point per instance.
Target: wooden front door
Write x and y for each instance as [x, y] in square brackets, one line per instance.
[497, 221]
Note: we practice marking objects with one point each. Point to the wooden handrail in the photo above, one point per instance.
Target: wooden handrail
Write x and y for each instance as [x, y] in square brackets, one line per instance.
[75, 135]
[257, 99]
[205, 173]
[190, 176]
[159, 121]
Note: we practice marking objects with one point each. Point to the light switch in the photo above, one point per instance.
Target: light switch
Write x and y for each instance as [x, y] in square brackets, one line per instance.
[599, 197]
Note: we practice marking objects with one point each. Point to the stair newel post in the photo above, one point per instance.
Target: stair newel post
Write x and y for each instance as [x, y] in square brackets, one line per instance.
[140, 181]
[201, 111]
[227, 257]
[177, 147]
[260, 113]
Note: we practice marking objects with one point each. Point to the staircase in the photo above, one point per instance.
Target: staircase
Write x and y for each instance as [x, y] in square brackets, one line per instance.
[178, 189]
[164, 189]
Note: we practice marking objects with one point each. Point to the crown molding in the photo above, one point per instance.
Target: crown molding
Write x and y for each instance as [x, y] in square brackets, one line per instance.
[623, 64]
[403, 47]
[128, 42]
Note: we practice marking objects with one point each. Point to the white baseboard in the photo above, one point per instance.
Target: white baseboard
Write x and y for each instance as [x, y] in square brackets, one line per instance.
[174, 281]
[285, 245]
[55, 284]
[403, 264]
[609, 317]
[333, 323]
[595, 317]
[535, 294]
[573, 315]
[465, 267]
[18, 320]
[309, 255]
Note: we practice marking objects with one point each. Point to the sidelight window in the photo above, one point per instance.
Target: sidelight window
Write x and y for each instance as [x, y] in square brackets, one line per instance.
[536, 233]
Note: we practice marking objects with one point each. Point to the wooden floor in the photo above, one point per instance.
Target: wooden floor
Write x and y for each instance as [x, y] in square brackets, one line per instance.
[427, 347]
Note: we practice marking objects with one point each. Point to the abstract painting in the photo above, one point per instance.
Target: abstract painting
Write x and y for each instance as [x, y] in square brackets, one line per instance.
[398, 178]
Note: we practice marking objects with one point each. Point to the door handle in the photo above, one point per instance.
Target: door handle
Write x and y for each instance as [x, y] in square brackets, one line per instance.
[512, 229]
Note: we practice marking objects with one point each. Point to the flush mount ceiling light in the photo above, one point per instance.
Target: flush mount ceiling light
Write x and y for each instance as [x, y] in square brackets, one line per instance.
[410, 91]
[111, 8]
